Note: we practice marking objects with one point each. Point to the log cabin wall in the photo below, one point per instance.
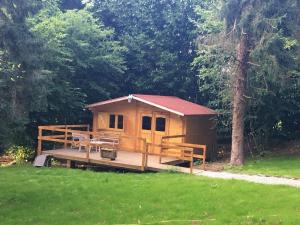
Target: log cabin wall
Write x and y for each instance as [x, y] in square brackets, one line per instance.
[201, 130]
[132, 122]
[198, 129]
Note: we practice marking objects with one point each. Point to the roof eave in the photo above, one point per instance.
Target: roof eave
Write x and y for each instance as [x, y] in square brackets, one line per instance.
[91, 106]
[156, 105]
[202, 114]
[106, 102]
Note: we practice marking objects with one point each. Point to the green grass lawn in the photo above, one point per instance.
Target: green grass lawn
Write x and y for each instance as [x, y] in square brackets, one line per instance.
[285, 166]
[64, 196]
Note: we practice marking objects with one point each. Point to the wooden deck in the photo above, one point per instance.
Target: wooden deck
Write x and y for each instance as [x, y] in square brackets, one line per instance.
[125, 159]
[138, 159]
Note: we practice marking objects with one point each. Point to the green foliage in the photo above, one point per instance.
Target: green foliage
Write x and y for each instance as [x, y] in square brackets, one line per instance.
[21, 74]
[52, 62]
[160, 38]
[72, 32]
[20, 154]
[273, 75]
[273, 85]
[212, 63]
[82, 51]
[58, 55]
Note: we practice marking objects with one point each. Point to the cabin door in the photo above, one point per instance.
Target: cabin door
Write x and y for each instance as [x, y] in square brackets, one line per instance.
[145, 128]
[160, 129]
[153, 126]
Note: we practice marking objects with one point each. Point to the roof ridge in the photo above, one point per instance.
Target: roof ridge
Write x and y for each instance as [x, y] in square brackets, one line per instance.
[172, 104]
[171, 96]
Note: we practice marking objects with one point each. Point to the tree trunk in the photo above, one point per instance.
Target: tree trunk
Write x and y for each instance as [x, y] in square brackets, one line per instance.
[14, 100]
[239, 102]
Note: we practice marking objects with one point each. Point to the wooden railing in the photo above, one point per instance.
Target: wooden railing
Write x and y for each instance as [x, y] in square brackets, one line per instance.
[173, 136]
[67, 131]
[181, 150]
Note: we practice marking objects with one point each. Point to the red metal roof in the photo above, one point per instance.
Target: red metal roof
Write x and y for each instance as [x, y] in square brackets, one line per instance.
[169, 103]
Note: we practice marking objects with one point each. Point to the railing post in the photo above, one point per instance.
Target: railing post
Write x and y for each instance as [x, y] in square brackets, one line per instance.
[160, 150]
[192, 162]
[88, 150]
[204, 156]
[144, 153]
[147, 149]
[40, 134]
[66, 136]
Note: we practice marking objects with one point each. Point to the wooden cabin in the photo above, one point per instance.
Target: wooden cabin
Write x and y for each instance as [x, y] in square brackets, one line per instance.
[154, 117]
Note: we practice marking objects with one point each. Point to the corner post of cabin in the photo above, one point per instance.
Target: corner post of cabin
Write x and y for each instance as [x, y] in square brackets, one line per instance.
[88, 127]
[40, 134]
[66, 137]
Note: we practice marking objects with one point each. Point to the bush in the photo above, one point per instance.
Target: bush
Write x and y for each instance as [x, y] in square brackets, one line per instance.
[20, 154]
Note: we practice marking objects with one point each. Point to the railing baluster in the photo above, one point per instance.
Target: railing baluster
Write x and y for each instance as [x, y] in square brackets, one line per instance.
[66, 137]
[87, 146]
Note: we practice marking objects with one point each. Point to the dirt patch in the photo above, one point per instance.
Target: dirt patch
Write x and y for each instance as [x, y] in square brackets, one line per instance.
[214, 166]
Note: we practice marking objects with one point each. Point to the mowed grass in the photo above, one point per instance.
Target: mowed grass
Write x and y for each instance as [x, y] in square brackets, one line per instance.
[284, 166]
[68, 196]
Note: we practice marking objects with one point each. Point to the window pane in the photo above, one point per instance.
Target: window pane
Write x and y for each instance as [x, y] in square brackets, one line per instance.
[160, 124]
[112, 119]
[146, 123]
[120, 121]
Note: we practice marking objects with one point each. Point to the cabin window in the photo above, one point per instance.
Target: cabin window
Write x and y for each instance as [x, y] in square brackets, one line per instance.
[146, 122]
[160, 124]
[120, 121]
[112, 120]
[116, 121]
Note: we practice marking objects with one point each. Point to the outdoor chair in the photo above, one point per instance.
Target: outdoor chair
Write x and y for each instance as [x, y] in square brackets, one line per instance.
[79, 140]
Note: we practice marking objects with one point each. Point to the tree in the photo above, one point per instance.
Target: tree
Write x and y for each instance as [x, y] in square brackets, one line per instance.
[86, 64]
[260, 34]
[212, 63]
[160, 38]
[258, 25]
[81, 50]
[21, 73]
[53, 62]
[240, 76]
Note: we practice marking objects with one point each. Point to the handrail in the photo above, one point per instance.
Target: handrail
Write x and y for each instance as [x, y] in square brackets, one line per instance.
[63, 138]
[185, 144]
[52, 128]
[174, 136]
[182, 150]
[63, 126]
